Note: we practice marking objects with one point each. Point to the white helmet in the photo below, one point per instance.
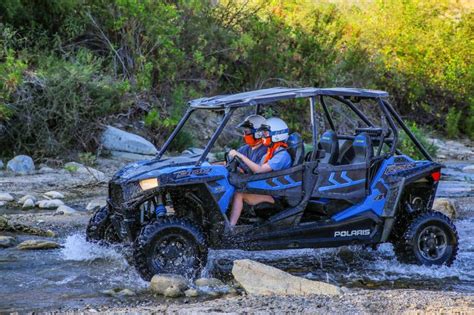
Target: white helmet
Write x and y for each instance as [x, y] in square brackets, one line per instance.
[278, 129]
[253, 122]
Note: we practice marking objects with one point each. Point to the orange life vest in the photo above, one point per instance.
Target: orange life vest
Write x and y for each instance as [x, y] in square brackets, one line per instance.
[271, 150]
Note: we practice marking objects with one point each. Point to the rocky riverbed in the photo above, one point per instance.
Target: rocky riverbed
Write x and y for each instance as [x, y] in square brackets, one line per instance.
[78, 276]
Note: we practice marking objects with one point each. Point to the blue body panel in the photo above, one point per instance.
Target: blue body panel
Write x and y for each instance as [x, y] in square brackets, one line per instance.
[276, 184]
[349, 182]
[373, 202]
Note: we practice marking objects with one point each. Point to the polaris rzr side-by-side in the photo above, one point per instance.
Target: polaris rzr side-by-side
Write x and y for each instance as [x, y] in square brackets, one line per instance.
[352, 187]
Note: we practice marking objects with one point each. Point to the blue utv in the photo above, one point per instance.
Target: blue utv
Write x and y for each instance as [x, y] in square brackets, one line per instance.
[354, 187]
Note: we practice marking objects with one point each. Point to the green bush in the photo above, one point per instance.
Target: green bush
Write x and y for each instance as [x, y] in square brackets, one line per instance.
[182, 141]
[66, 65]
[452, 122]
[408, 147]
[59, 106]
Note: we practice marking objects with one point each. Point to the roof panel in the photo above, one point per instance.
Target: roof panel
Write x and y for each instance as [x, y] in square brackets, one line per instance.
[277, 94]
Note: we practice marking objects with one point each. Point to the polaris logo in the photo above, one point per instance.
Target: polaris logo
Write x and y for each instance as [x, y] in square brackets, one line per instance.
[352, 233]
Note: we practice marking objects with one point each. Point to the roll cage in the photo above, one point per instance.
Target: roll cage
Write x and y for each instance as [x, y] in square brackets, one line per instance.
[347, 96]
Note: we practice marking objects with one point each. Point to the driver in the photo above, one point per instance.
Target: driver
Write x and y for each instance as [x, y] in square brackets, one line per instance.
[253, 148]
[274, 133]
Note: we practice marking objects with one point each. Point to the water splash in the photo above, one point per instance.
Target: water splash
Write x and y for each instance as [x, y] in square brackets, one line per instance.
[78, 249]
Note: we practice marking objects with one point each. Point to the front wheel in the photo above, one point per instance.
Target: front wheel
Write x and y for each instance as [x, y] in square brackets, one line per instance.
[100, 228]
[170, 245]
[430, 239]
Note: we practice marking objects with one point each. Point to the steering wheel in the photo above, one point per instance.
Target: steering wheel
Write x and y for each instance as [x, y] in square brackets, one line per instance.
[235, 163]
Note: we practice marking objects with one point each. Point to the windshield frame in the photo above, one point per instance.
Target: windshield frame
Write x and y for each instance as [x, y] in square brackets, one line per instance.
[227, 115]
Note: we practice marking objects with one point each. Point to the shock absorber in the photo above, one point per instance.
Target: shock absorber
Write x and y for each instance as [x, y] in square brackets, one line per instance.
[160, 209]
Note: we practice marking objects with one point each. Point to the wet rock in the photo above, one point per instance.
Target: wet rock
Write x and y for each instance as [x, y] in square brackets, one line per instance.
[22, 200]
[96, 205]
[114, 139]
[53, 195]
[37, 244]
[7, 241]
[209, 282]
[6, 197]
[21, 164]
[159, 283]
[65, 210]
[468, 169]
[447, 206]
[28, 204]
[191, 293]
[260, 279]
[75, 167]
[118, 292]
[6, 226]
[50, 204]
[173, 292]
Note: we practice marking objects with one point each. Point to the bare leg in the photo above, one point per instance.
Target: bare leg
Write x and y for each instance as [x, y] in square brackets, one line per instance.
[251, 199]
[237, 206]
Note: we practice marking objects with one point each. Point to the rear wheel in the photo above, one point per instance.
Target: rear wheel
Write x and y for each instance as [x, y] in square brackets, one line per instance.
[170, 245]
[101, 229]
[430, 239]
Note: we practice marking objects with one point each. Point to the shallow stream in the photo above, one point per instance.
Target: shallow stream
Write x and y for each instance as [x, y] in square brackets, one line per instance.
[75, 275]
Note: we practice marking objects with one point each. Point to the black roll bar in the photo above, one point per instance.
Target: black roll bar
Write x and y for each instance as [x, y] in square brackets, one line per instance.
[216, 134]
[355, 110]
[174, 133]
[314, 126]
[407, 130]
[327, 114]
[392, 125]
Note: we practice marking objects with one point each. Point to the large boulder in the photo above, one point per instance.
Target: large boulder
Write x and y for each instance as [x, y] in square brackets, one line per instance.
[114, 139]
[7, 241]
[37, 244]
[75, 167]
[159, 283]
[21, 164]
[259, 279]
[447, 206]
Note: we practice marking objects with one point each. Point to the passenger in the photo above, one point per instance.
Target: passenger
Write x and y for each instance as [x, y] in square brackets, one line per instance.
[274, 134]
[253, 148]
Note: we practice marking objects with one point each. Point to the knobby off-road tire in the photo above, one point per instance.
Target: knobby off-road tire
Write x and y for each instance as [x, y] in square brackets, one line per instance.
[430, 239]
[170, 245]
[100, 228]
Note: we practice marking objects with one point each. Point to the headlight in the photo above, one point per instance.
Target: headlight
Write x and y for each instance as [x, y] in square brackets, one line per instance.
[148, 183]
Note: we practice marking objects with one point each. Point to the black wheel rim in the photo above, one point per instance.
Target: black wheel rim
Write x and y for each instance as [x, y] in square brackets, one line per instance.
[110, 235]
[174, 253]
[432, 243]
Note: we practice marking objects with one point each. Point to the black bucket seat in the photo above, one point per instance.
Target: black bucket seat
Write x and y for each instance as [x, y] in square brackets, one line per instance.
[363, 150]
[330, 145]
[295, 148]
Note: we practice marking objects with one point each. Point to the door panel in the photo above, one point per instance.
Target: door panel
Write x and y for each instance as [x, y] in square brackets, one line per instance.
[346, 182]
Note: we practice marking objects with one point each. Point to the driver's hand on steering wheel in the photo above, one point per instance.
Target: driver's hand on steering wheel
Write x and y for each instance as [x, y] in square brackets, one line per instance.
[233, 153]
